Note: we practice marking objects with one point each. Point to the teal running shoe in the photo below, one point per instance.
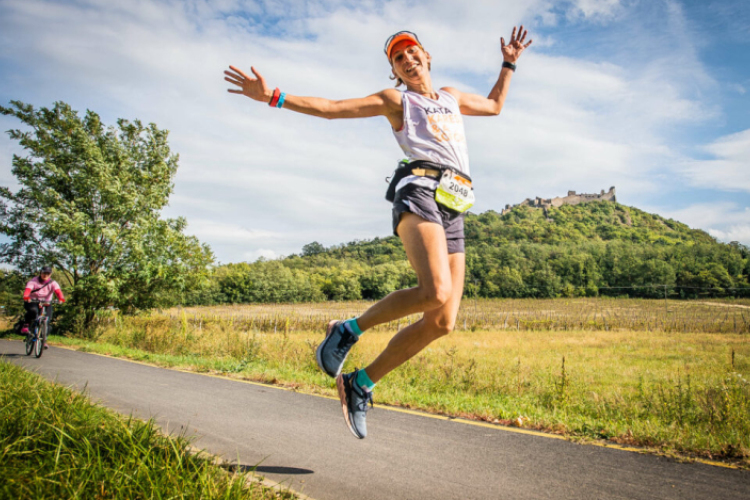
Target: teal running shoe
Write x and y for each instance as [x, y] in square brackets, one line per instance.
[332, 352]
[354, 402]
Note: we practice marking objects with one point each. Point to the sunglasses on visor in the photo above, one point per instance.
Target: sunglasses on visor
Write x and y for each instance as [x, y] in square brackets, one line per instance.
[397, 37]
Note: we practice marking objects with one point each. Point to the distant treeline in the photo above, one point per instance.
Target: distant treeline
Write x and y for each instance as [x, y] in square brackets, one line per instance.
[585, 250]
[588, 250]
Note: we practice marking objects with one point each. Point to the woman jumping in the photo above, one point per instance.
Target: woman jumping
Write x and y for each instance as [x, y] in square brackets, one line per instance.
[430, 195]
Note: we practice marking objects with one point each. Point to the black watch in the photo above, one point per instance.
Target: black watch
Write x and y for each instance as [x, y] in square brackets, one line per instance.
[508, 65]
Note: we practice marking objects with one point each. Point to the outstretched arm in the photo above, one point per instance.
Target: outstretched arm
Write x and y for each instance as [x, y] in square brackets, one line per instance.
[386, 103]
[473, 104]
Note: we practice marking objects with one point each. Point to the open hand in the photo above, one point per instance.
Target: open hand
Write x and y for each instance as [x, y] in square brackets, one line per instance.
[254, 88]
[512, 51]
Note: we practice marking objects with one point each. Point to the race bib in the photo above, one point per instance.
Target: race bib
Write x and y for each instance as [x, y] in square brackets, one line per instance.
[455, 192]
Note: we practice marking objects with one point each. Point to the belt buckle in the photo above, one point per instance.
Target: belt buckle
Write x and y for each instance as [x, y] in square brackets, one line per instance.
[426, 172]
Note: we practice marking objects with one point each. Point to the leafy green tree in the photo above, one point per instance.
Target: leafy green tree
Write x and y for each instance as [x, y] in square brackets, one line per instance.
[89, 204]
[11, 288]
[544, 284]
[313, 248]
[264, 281]
[380, 280]
[504, 282]
[341, 285]
[656, 272]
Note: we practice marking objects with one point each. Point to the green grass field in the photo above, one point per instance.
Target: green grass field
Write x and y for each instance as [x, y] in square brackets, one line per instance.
[672, 377]
[55, 444]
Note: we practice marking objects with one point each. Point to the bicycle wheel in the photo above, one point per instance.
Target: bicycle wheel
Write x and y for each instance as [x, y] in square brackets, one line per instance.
[39, 344]
[29, 343]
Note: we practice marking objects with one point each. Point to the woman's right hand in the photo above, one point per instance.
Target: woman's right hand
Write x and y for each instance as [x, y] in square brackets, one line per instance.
[254, 88]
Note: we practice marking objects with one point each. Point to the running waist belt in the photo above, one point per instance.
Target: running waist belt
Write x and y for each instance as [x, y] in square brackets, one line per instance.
[422, 168]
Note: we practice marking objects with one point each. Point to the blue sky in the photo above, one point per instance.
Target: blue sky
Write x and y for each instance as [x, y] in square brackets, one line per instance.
[648, 96]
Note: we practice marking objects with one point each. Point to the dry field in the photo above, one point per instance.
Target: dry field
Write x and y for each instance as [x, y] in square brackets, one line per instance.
[601, 314]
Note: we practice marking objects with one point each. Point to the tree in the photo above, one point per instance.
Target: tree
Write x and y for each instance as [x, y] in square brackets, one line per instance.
[264, 281]
[313, 248]
[89, 204]
[11, 288]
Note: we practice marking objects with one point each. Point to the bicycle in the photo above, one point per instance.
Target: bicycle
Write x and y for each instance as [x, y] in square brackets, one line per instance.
[37, 337]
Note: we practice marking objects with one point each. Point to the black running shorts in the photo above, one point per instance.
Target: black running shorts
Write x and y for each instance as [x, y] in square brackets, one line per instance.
[420, 201]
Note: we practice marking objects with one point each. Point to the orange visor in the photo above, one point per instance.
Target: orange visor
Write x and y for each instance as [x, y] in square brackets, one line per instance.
[397, 39]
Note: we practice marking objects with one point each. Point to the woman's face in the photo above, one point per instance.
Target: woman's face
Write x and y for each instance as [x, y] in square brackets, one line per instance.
[45, 276]
[410, 63]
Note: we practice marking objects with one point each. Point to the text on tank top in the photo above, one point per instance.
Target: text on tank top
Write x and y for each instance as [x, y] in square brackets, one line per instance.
[433, 131]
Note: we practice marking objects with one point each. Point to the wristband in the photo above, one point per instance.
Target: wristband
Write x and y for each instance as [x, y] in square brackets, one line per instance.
[281, 100]
[508, 65]
[275, 97]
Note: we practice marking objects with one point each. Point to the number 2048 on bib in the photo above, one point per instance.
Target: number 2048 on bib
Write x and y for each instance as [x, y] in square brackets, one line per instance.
[455, 192]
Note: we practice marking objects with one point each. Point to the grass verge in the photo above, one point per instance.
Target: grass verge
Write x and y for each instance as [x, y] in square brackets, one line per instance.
[54, 443]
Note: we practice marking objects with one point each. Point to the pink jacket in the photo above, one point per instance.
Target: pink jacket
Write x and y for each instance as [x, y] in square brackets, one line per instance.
[42, 290]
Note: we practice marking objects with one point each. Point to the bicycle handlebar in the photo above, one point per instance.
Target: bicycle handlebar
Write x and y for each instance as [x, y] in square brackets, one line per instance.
[54, 300]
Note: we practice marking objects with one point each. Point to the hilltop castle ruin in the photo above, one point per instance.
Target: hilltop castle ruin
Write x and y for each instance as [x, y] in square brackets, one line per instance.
[573, 198]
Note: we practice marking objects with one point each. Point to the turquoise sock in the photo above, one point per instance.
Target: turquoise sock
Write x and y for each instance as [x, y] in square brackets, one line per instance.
[364, 381]
[353, 326]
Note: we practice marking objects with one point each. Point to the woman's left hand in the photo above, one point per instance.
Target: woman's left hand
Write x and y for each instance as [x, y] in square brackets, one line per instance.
[513, 50]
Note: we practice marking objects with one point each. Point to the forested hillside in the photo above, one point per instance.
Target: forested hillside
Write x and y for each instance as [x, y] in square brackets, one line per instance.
[591, 249]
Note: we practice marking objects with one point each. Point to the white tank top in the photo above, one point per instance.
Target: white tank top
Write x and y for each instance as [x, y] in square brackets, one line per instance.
[433, 131]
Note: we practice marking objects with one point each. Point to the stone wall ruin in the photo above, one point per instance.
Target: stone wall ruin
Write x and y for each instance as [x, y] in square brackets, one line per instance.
[572, 198]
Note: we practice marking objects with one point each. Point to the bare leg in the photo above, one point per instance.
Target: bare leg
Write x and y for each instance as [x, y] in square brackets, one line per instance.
[427, 251]
[438, 295]
[415, 337]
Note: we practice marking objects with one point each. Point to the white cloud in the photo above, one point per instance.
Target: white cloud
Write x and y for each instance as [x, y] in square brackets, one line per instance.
[210, 230]
[265, 253]
[596, 8]
[740, 234]
[730, 168]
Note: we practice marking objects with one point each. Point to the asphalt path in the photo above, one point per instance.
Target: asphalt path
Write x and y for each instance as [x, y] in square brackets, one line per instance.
[302, 442]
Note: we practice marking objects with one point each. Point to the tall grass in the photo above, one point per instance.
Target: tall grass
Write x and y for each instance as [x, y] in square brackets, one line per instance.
[56, 444]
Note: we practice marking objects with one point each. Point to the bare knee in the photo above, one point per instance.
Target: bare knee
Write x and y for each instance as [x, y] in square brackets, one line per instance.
[436, 295]
[441, 326]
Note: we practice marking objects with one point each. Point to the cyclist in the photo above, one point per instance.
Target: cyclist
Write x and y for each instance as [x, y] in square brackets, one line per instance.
[41, 288]
[430, 196]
